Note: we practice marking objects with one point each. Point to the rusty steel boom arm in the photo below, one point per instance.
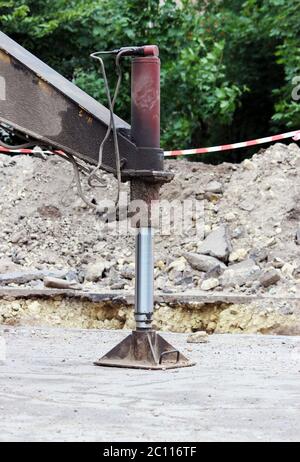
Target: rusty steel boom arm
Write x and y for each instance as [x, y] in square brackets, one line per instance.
[50, 109]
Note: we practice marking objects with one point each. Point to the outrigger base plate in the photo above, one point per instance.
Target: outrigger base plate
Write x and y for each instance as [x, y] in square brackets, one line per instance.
[144, 350]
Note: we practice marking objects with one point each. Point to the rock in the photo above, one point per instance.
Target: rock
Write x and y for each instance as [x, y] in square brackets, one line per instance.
[34, 307]
[198, 337]
[214, 187]
[178, 265]
[238, 255]
[248, 164]
[188, 192]
[96, 271]
[297, 237]
[19, 236]
[159, 264]
[212, 197]
[49, 211]
[230, 216]
[57, 283]
[247, 206]
[7, 266]
[240, 274]
[217, 244]
[185, 278]
[209, 284]
[118, 285]
[277, 263]
[203, 263]
[22, 277]
[128, 272]
[269, 278]
[259, 255]
[296, 272]
[288, 269]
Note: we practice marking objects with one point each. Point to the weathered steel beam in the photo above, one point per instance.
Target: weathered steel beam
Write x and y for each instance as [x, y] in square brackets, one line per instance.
[49, 108]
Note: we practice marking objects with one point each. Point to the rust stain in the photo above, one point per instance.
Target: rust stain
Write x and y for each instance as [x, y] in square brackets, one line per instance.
[4, 57]
[44, 86]
[82, 113]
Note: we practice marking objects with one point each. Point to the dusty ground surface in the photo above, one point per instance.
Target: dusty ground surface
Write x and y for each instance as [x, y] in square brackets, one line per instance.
[243, 388]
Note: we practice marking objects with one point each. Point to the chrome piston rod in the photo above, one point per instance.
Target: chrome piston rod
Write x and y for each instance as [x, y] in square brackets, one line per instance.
[144, 265]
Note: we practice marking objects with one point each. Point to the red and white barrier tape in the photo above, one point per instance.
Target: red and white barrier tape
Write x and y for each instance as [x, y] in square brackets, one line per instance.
[227, 147]
[36, 150]
[186, 152]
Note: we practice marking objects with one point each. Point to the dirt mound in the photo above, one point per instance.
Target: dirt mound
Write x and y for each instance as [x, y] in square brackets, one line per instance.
[251, 233]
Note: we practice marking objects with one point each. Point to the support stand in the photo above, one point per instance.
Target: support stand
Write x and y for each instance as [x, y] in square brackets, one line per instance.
[144, 348]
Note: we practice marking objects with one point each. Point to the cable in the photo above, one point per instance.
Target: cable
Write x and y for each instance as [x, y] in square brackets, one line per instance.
[111, 126]
[18, 146]
[78, 183]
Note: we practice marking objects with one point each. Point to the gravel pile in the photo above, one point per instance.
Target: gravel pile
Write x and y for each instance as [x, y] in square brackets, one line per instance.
[250, 244]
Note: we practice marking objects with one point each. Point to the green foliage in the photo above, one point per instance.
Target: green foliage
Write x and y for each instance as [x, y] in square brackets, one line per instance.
[227, 65]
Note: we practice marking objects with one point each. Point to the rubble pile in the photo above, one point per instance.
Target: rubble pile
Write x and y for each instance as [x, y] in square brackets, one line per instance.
[251, 241]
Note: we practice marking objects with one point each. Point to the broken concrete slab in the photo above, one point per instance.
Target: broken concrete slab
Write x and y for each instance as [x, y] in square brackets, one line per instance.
[217, 244]
[24, 276]
[204, 263]
[240, 274]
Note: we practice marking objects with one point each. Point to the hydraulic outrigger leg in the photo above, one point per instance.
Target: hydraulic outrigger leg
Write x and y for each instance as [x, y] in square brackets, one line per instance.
[144, 348]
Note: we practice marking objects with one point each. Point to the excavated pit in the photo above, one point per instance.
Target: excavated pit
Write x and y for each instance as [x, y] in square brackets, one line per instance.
[182, 313]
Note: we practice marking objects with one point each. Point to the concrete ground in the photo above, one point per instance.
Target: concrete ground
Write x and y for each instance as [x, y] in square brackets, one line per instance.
[243, 388]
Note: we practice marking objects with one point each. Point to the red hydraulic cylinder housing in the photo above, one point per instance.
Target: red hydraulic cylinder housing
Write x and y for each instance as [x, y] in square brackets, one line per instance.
[145, 100]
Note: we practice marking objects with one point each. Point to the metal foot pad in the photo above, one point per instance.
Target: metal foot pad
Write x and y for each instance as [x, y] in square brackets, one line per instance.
[144, 350]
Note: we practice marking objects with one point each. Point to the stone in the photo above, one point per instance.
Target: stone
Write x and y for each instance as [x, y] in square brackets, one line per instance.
[57, 283]
[230, 216]
[128, 272]
[19, 236]
[240, 274]
[209, 284]
[259, 255]
[297, 237]
[247, 206]
[288, 269]
[214, 187]
[277, 263]
[238, 255]
[7, 266]
[179, 264]
[269, 278]
[217, 244]
[22, 277]
[118, 285]
[95, 271]
[203, 263]
[248, 164]
[198, 337]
